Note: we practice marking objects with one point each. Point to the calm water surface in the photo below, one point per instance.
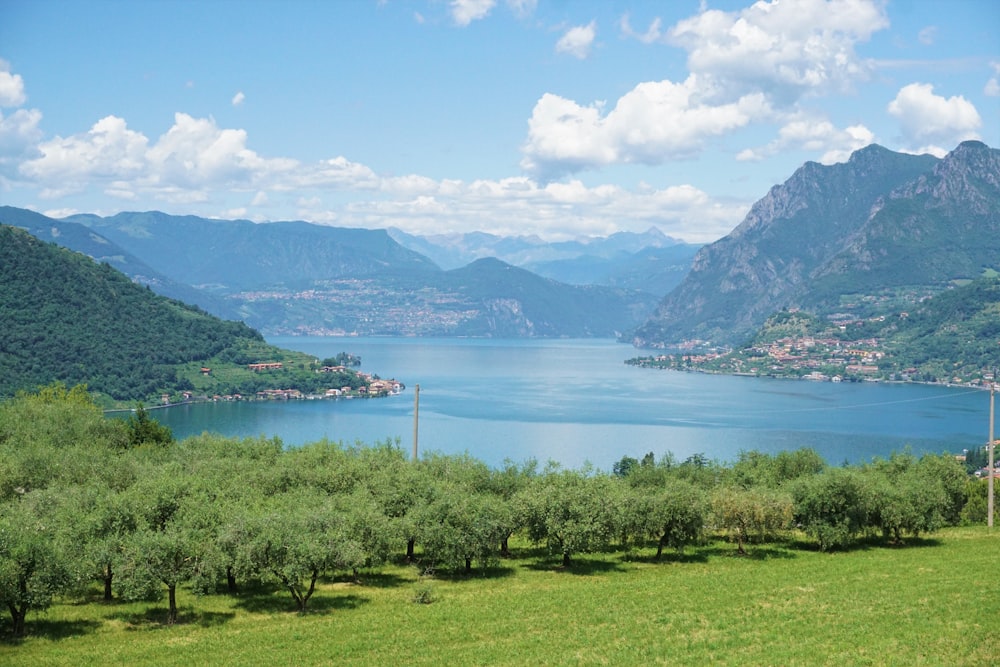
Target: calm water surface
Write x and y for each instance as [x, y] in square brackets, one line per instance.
[575, 401]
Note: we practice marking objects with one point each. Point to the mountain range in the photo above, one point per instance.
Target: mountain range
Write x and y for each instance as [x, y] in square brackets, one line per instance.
[861, 238]
[871, 236]
[297, 277]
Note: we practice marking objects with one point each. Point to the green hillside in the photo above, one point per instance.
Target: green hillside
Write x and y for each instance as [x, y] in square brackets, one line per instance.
[69, 319]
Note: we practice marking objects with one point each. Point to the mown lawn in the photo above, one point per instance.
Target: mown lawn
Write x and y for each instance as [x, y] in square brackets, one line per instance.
[932, 602]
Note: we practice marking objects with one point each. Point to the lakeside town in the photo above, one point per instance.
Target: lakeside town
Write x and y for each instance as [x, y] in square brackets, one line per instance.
[371, 386]
[819, 359]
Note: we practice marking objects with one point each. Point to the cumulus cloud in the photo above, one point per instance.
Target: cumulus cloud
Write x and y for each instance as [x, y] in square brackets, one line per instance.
[557, 210]
[578, 40]
[785, 49]
[654, 122]
[464, 12]
[19, 133]
[238, 98]
[747, 66]
[933, 123]
[11, 87]
[814, 135]
[193, 158]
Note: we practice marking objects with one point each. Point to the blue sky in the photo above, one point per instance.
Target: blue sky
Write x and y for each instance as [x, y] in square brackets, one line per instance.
[563, 118]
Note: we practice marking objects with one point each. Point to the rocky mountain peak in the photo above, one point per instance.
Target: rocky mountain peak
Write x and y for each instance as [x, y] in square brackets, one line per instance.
[835, 230]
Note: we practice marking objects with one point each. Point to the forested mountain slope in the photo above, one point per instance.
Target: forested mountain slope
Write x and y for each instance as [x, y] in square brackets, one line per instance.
[66, 318]
[82, 239]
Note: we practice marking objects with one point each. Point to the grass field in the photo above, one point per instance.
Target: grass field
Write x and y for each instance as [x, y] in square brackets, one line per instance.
[932, 602]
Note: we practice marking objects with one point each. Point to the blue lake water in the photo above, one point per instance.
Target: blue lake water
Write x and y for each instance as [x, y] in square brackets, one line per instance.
[575, 401]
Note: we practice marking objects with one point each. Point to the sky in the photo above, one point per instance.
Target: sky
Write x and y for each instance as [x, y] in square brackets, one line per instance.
[557, 118]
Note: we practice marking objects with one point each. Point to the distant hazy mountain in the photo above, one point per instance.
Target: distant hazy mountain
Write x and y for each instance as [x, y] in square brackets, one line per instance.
[300, 278]
[651, 262]
[232, 255]
[652, 269]
[882, 227]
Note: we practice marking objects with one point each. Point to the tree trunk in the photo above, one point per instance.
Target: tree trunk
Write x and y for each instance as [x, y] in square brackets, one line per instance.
[504, 549]
[108, 574]
[17, 618]
[659, 546]
[172, 604]
[312, 587]
[409, 550]
[468, 565]
[565, 559]
[230, 579]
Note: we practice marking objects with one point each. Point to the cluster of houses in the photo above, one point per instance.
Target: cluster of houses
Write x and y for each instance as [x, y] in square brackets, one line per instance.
[373, 386]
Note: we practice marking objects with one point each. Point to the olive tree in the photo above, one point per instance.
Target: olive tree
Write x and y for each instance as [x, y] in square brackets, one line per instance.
[750, 514]
[36, 564]
[460, 526]
[569, 512]
[676, 515]
[834, 507]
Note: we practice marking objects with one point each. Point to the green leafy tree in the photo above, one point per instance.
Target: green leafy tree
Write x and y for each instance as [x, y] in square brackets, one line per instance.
[750, 514]
[144, 430]
[568, 511]
[36, 564]
[459, 527]
[834, 507]
[676, 515]
[297, 537]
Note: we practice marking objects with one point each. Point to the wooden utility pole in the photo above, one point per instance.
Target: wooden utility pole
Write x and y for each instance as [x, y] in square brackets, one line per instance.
[416, 419]
[989, 509]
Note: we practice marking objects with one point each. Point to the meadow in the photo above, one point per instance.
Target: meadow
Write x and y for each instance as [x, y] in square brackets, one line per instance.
[930, 601]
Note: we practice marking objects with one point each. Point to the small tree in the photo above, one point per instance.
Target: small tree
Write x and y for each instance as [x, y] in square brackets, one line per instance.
[569, 512]
[676, 516]
[833, 507]
[750, 514]
[35, 564]
[297, 537]
[460, 527]
[144, 430]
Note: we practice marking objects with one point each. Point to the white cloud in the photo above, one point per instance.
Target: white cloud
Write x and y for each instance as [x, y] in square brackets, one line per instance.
[238, 98]
[992, 87]
[653, 33]
[11, 87]
[19, 133]
[932, 122]
[464, 12]
[198, 167]
[577, 41]
[558, 210]
[748, 66]
[194, 157]
[109, 150]
[654, 122]
[785, 49]
[814, 135]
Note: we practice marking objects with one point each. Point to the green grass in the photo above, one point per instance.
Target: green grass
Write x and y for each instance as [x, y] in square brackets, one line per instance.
[932, 602]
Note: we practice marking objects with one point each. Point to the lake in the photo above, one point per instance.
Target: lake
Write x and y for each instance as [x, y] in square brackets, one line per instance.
[575, 401]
